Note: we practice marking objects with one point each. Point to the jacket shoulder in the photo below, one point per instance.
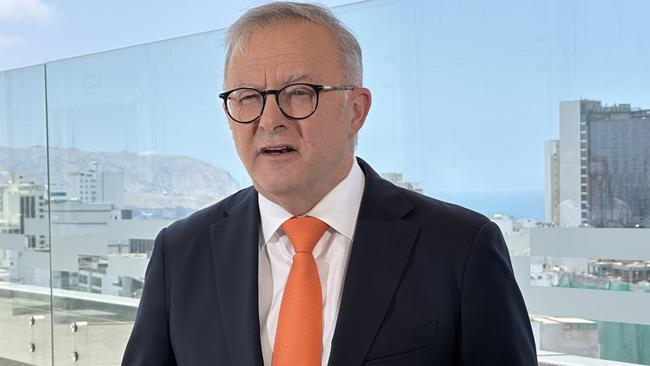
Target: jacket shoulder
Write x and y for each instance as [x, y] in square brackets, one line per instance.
[436, 213]
[442, 211]
[200, 221]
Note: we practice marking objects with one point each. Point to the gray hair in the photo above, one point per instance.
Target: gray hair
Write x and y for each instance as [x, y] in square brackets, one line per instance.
[280, 12]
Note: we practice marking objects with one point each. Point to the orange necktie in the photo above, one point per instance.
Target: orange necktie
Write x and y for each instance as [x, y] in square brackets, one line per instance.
[299, 334]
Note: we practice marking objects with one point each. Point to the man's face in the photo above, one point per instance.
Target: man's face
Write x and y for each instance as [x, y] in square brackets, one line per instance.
[322, 145]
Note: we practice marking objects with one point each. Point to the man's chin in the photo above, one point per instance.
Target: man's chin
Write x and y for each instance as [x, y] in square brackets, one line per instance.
[279, 187]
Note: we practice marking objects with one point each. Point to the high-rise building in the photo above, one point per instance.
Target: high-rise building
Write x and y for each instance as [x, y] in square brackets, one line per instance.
[604, 166]
[552, 181]
[23, 211]
[96, 185]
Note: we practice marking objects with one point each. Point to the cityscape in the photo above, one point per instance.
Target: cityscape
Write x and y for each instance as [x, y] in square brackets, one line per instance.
[597, 176]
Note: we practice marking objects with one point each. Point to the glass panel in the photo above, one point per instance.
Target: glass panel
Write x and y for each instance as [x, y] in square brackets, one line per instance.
[484, 105]
[138, 139]
[24, 236]
[605, 258]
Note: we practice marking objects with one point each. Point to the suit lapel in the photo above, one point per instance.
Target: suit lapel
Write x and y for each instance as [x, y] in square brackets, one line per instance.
[235, 241]
[380, 250]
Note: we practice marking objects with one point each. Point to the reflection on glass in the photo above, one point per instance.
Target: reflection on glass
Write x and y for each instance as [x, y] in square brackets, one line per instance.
[619, 162]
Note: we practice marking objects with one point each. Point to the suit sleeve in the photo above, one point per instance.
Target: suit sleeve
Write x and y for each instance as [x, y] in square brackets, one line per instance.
[495, 327]
[149, 343]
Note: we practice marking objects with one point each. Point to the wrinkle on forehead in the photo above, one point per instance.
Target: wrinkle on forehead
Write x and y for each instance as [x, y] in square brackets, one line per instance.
[275, 78]
[276, 70]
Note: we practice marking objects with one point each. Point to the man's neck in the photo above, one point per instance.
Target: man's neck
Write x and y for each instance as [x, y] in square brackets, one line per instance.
[299, 203]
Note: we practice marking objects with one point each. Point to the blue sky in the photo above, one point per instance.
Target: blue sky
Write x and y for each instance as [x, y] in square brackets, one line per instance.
[36, 31]
[464, 92]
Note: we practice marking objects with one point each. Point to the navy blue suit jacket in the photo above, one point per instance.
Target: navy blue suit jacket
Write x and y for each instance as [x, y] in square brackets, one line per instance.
[427, 283]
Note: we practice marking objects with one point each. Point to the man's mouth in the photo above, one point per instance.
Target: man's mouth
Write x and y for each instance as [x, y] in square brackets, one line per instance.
[277, 150]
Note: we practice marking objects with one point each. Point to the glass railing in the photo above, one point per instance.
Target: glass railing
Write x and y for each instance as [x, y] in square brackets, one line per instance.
[479, 105]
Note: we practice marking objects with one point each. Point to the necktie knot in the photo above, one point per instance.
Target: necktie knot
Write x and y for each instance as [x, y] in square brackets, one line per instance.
[304, 232]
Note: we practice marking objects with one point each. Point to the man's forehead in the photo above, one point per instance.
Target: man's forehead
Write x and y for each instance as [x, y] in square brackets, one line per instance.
[281, 54]
[285, 36]
[277, 70]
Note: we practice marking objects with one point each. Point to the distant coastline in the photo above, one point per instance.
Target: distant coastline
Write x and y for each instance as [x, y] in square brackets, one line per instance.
[517, 204]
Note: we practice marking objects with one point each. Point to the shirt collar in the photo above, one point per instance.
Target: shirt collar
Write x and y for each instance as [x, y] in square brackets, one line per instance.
[338, 209]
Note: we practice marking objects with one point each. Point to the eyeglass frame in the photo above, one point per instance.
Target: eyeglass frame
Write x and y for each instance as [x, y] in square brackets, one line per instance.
[265, 92]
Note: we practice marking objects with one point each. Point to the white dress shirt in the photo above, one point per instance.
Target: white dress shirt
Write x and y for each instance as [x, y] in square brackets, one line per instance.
[339, 210]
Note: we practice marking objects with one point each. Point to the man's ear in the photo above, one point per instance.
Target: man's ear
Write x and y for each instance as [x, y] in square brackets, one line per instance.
[361, 100]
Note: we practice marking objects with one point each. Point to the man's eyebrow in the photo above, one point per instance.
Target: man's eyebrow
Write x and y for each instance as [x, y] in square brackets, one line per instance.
[298, 77]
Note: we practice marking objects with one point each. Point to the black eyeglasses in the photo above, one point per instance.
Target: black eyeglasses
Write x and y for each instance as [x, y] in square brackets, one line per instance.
[296, 101]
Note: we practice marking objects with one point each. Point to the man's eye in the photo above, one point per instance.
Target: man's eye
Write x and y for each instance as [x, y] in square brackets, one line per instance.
[300, 93]
[248, 99]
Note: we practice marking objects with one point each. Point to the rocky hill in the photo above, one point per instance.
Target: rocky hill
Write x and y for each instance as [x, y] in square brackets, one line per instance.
[150, 180]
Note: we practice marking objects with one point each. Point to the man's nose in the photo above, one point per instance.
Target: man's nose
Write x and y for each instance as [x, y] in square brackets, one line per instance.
[272, 117]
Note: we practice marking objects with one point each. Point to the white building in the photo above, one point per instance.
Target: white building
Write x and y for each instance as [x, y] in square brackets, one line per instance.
[95, 185]
[504, 222]
[24, 211]
[572, 153]
[398, 180]
[552, 181]
[86, 237]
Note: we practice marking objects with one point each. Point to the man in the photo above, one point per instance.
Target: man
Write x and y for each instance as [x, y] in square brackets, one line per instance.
[321, 262]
